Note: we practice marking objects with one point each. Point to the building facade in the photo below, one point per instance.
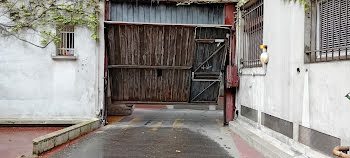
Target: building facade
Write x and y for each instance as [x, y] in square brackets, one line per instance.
[298, 96]
[59, 82]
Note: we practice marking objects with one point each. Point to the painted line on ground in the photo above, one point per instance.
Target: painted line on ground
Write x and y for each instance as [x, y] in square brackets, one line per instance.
[157, 125]
[113, 120]
[133, 121]
[221, 127]
[178, 123]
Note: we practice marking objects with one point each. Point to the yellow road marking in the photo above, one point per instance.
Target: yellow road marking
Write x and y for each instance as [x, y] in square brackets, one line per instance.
[133, 121]
[156, 126]
[222, 128]
[178, 123]
[113, 120]
[219, 122]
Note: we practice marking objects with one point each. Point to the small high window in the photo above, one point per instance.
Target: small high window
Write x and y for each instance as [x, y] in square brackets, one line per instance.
[66, 46]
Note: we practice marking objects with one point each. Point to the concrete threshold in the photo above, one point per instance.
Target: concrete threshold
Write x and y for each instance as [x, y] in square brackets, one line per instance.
[268, 146]
[54, 139]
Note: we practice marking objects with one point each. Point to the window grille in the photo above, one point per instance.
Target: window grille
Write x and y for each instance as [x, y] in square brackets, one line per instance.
[66, 46]
[332, 31]
[253, 18]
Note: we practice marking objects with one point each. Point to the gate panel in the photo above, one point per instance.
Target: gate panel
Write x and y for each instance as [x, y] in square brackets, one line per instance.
[211, 49]
[150, 63]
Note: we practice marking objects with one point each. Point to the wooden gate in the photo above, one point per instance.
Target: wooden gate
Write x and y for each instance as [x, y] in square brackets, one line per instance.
[211, 51]
[150, 63]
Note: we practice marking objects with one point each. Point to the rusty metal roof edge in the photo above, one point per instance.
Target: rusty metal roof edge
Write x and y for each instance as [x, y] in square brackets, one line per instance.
[168, 24]
[248, 4]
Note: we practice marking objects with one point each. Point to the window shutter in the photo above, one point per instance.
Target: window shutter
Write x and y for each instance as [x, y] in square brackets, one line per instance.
[334, 24]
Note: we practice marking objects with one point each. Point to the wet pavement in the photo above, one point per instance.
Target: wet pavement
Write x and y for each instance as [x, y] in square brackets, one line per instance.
[18, 141]
[161, 133]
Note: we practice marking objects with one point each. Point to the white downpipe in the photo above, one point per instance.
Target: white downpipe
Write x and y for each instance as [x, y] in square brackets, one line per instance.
[306, 102]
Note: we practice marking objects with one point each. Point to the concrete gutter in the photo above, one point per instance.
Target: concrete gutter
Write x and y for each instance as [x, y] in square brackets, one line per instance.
[268, 146]
[54, 139]
[264, 147]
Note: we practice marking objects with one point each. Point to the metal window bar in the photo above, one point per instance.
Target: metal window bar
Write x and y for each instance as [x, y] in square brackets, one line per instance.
[253, 18]
[66, 46]
[333, 31]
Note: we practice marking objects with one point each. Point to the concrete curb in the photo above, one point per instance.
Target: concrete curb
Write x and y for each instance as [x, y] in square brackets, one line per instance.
[266, 148]
[39, 122]
[54, 139]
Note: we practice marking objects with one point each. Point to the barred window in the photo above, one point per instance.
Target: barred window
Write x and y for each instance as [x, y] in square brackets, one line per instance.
[330, 31]
[253, 18]
[66, 45]
[334, 23]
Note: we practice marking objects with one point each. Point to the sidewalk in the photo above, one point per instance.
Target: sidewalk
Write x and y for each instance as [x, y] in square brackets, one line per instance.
[269, 146]
[18, 141]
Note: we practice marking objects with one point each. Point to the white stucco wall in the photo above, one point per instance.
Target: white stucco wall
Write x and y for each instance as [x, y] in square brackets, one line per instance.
[280, 93]
[329, 83]
[34, 86]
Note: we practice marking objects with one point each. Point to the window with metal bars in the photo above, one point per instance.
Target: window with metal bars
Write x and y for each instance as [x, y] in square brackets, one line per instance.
[330, 30]
[66, 46]
[252, 38]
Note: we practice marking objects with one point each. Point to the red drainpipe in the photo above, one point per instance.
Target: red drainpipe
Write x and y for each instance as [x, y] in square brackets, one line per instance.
[231, 70]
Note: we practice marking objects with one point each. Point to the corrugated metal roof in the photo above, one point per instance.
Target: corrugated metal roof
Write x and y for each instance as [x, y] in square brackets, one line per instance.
[168, 13]
[179, 1]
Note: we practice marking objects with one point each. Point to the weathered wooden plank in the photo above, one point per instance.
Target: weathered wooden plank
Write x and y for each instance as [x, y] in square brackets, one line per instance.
[150, 45]
[112, 79]
[171, 47]
[112, 44]
[186, 46]
[172, 84]
[154, 84]
[154, 44]
[166, 46]
[142, 46]
[122, 40]
[118, 83]
[178, 45]
[137, 91]
[128, 44]
[188, 88]
[160, 60]
[137, 47]
[147, 45]
[183, 56]
[162, 38]
[175, 62]
[169, 84]
[133, 45]
[142, 85]
[148, 84]
[123, 85]
[117, 45]
[180, 84]
[192, 46]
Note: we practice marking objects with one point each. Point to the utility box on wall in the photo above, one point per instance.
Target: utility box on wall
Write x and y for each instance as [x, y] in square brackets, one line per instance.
[232, 76]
